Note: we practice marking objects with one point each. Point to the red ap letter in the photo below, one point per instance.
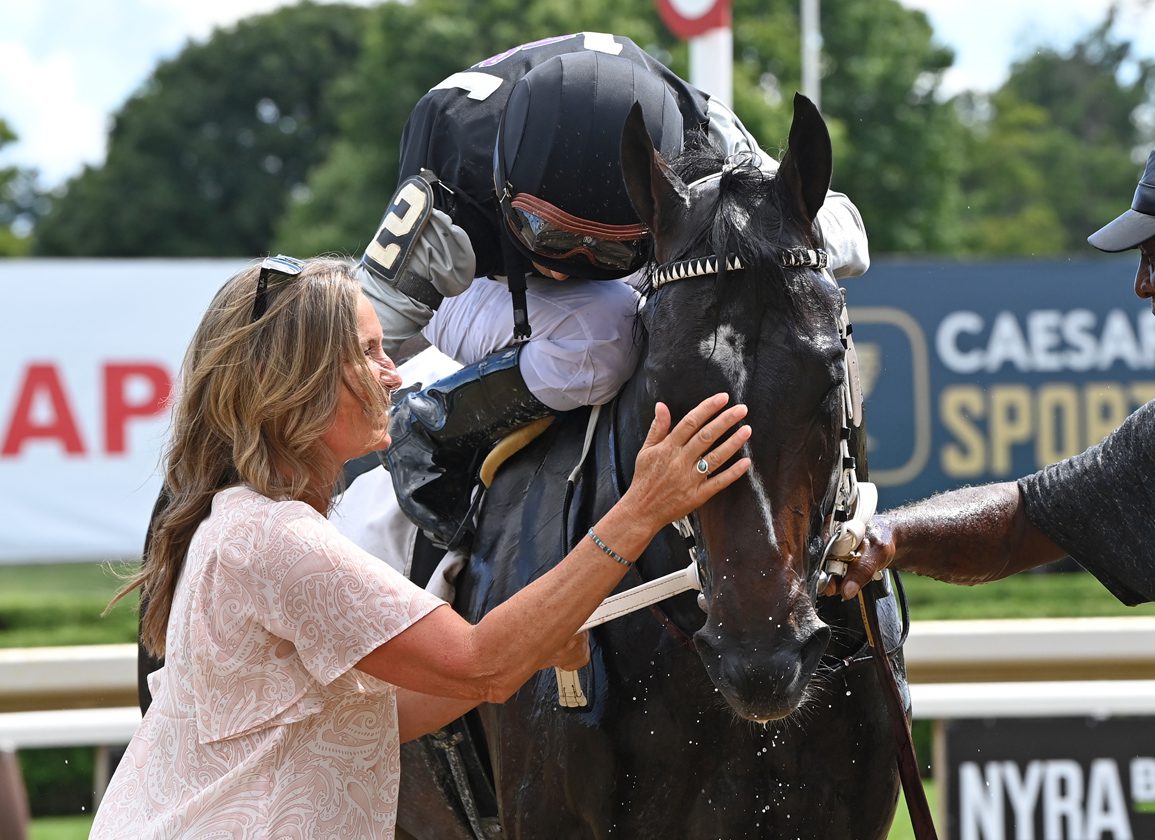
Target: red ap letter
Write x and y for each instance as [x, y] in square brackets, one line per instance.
[117, 406]
[42, 379]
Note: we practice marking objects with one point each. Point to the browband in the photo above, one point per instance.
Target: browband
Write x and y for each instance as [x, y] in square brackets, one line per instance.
[703, 266]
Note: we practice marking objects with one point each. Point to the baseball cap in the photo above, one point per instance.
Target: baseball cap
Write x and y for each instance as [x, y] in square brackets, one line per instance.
[1135, 225]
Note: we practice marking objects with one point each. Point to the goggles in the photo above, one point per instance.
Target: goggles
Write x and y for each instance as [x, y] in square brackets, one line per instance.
[556, 235]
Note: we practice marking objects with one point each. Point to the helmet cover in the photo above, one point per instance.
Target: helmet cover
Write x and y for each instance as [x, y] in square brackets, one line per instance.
[559, 141]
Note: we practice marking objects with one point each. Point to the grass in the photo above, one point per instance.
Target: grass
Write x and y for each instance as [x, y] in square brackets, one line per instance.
[901, 829]
[60, 828]
[61, 604]
[1030, 595]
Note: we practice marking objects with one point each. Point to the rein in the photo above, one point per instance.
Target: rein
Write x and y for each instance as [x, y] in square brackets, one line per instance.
[843, 550]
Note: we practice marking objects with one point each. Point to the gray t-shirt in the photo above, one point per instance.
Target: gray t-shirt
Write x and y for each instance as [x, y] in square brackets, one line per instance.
[1099, 507]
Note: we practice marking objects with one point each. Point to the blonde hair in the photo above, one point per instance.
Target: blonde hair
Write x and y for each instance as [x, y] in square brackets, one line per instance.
[253, 401]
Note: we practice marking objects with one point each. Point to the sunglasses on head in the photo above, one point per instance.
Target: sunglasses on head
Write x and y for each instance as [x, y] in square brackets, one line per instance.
[554, 234]
[280, 266]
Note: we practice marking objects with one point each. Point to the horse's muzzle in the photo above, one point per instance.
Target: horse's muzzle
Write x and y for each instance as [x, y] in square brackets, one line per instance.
[766, 680]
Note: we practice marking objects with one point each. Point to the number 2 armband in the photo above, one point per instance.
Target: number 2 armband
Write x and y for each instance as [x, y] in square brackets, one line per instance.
[392, 245]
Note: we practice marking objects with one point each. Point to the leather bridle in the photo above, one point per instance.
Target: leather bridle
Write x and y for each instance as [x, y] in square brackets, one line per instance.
[854, 504]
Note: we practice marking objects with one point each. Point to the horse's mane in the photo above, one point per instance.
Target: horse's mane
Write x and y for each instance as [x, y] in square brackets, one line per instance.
[743, 217]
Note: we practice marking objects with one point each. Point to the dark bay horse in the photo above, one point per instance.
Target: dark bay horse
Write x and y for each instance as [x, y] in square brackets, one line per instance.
[749, 716]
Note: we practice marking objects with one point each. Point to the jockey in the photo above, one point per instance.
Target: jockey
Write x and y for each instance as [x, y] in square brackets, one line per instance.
[510, 187]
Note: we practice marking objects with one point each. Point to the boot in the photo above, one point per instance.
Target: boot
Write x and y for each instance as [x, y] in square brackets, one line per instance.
[441, 434]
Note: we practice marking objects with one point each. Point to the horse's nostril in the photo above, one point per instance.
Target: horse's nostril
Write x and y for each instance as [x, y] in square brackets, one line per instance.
[764, 681]
[814, 647]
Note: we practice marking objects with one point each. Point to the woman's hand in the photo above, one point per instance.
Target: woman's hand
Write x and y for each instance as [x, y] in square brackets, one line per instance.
[668, 482]
[441, 654]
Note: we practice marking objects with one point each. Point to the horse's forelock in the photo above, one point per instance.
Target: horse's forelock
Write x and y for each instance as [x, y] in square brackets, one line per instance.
[742, 216]
[743, 213]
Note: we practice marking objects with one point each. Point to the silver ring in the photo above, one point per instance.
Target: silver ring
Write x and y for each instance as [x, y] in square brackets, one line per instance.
[702, 466]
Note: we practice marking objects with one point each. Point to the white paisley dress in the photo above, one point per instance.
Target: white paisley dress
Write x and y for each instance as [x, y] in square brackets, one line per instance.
[260, 727]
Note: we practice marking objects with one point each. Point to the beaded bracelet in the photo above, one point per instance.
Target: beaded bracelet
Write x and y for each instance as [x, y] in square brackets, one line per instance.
[609, 551]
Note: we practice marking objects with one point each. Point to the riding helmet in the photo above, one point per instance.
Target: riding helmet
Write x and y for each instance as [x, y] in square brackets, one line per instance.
[559, 141]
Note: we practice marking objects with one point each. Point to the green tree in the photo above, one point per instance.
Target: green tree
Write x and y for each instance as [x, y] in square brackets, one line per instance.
[203, 158]
[892, 138]
[408, 49]
[1007, 212]
[21, 202]
[899, 159]
[1054, 151]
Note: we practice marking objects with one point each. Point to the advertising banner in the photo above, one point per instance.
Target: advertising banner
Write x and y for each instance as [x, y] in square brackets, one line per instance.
[90, 349]
[1050, 779]
[973, 372]
[987, 371]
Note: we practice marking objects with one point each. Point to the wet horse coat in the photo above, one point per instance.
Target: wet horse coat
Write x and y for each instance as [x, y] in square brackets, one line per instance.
[743, 720]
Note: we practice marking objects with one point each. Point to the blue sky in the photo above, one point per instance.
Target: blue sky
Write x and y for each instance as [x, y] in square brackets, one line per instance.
[66, 65]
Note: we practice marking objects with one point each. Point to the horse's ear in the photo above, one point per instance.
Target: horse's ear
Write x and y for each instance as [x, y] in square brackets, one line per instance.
[807, 165]
[650, 182]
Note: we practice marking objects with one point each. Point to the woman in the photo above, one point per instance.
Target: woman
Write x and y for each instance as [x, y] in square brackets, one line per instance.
[296, 663]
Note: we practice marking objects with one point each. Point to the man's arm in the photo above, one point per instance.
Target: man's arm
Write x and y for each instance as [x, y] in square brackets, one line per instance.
[967, 536]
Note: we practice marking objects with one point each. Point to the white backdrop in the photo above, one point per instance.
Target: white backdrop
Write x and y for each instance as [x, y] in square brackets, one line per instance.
[88, 352]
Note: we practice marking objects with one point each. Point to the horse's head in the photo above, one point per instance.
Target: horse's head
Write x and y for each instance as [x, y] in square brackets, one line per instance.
[768, 334]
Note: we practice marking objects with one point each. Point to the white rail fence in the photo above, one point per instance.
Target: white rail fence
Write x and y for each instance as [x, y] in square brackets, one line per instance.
[77, 696]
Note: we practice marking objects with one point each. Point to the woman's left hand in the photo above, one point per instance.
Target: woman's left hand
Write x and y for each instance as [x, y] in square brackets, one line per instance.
[679, 469]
